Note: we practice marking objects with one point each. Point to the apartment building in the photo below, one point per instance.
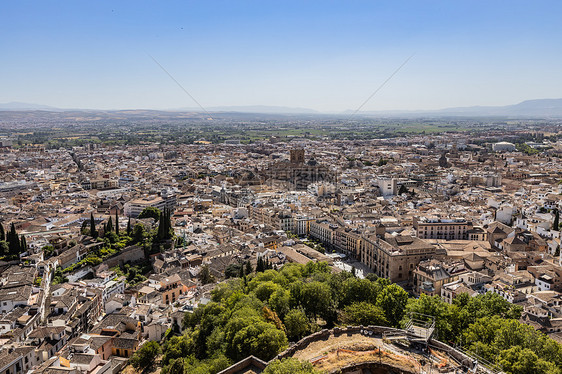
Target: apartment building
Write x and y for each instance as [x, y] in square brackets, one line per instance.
[394, 257]
[134, 207]
[442, 228]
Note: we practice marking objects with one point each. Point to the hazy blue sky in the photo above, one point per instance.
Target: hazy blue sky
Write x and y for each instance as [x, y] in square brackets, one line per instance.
[324, 55]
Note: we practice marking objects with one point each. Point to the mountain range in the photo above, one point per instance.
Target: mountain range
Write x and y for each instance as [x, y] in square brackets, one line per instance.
[530, 108]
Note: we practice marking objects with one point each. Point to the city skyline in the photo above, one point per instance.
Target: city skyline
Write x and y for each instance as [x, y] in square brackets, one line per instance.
[328, 57]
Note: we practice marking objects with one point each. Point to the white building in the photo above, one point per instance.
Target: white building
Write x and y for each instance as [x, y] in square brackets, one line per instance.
[503, 147]
[388, 186]
[134, 207]
[544, 282]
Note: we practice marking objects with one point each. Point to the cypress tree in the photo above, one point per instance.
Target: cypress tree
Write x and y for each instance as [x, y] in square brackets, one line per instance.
[160, 226]
[248, 267]
[129, 227]
[116, 223]
[23, 244]
[165, 228]
[13, 241]
[168, 224]
[84, 226]
[164, 222]
[556, 223]
[109, 226]
[93, 231]
[2, 233]
[241, 272]
[260, 265]
[164, 225]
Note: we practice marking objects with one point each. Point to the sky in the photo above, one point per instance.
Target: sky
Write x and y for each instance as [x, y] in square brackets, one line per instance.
[325, 55]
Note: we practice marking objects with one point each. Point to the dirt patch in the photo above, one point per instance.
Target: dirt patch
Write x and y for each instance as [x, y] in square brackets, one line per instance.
[347, 358]
[323, 347]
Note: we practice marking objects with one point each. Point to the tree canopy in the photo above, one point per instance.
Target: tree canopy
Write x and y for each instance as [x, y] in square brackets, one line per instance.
[145, 357]
[150, 212]
[259, 314]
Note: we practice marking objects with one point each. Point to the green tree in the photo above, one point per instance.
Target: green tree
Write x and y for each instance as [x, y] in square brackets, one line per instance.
[248, 269]
[264, 290]
[4, 248]
[111, 237]
[260, 339]
[355, 290]
[491, 304]
[556, 223]
[131, 274]
[109, 226]
[138, 233]
[2, 233]
[364, 313]
[13, 240]
[316, 299]
[280, 301]
[48, 250]
[23, 243]
[93, 231]
[84, 228]
[290, 366]
[150, 212]
[260, 267]
[165, 230]
[232, 270]
[490, 336]
[116, 223]
[392, 300]
[205, 275]
[176, 366]
[241, 273]
[129, 230]
[145, 357]
[59, 277]
[177, 347]
[517, 360]
[296, 324]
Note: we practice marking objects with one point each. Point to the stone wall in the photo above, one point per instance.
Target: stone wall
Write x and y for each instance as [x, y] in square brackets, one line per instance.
[337, 331]
[130, 254]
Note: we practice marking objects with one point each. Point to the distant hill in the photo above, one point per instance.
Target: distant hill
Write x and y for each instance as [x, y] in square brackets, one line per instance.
[530, 108]
[539, 108]
[266, 109]
[14, 105]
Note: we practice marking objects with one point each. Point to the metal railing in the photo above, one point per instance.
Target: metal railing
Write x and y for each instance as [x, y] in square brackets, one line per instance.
[481, 363]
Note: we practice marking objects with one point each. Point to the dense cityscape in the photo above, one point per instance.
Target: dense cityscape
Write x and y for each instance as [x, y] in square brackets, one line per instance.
[280, 187]
[289, 253]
